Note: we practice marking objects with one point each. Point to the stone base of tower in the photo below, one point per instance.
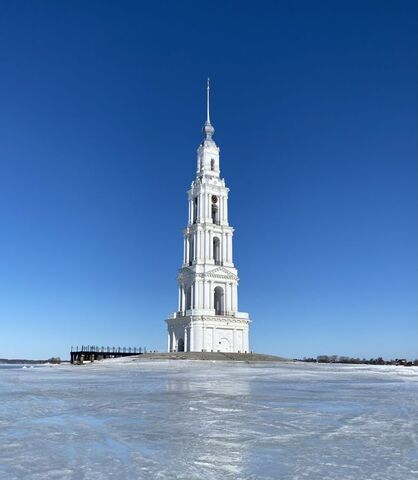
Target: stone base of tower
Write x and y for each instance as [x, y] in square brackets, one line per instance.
[208, 333]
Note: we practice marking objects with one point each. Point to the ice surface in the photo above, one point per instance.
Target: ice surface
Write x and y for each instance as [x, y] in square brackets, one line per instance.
[208, 420]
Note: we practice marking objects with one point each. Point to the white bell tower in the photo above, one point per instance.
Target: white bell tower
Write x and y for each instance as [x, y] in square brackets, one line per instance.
[207, 318]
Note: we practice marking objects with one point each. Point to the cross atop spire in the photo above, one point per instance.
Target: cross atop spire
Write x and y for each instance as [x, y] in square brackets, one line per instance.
[208, 129]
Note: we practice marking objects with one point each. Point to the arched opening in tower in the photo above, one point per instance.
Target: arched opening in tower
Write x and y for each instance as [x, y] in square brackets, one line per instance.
[215, 218]
[195, 210]
[216, 251]
[218, 300]
[191, 249]
[188, 298]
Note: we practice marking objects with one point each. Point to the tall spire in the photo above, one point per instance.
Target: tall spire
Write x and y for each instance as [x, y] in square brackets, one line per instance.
[208, 102]
[208, 129]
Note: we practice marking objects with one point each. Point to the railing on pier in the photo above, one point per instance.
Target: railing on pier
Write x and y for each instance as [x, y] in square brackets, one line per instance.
[97, 349]
[90, 353]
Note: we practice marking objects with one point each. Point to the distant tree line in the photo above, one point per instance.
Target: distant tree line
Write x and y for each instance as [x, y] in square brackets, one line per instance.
[351, 360]
[20, 361]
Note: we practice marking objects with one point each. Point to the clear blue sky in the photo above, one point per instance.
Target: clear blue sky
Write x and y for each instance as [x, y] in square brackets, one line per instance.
[314, 105]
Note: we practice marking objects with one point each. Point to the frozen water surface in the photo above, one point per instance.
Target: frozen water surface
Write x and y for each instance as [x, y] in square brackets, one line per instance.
[209, 420]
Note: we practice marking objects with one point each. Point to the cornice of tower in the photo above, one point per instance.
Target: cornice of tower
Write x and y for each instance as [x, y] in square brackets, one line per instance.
[208, 146]
[238, 319]
[213, 272]
[209, 186]
[208, 180]
[208, 226]
[222, 273]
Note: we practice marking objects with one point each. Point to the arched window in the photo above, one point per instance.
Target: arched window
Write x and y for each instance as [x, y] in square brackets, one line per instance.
[188, 298]
[214, 211]
[191, 248]
[215, 214]
[212, 164]
[216, 251]
[195, 210]
[218, 300]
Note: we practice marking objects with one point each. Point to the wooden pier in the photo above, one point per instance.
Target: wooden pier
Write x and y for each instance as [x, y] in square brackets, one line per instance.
[90, 353]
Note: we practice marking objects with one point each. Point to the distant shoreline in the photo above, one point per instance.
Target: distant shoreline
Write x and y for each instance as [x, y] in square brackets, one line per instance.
[357, 361]
[21, 361]
[24, 361]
